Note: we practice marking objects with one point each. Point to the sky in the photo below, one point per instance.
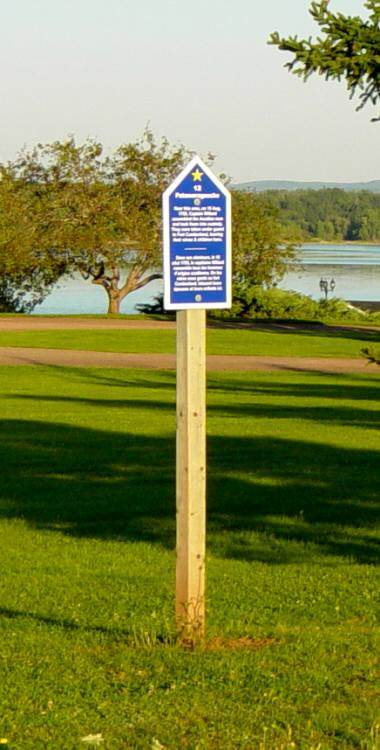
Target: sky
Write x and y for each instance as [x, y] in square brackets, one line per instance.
[198, 72]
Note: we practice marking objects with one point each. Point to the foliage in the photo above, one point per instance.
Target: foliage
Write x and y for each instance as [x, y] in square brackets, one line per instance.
[276, 303]
[155, 307]
[260, 256]
[338, 309]
[349, 49]
[103, 214]
[28, 269]
[18, 295]
[254, 301]
[372, 354]
[330, 214]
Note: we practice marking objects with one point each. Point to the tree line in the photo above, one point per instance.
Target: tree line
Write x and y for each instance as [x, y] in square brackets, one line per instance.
[69, 208]
[330, 214]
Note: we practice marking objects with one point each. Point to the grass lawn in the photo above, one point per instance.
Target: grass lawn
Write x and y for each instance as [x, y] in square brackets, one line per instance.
[305, 343]
[87, 530]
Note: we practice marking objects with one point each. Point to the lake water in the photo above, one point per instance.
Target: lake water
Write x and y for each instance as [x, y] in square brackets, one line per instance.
[355, 270]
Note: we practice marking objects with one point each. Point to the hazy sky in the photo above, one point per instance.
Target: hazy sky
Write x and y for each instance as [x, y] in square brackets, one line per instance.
[199, 72]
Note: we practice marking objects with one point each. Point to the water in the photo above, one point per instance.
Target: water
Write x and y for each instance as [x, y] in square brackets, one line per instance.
[73, 295]
[354, 268]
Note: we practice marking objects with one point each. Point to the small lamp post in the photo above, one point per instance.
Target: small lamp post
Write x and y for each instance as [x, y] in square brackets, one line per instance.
[327, 287]
[324, 287]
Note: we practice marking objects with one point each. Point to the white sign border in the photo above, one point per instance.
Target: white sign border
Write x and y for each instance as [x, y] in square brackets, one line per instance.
[168, 305]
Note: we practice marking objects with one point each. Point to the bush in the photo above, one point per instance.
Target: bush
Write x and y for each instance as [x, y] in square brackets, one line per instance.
[372, 355]
[277, 303]
[257, 302]
[274, 303]
[339, 309]
[374, 318]
[15, 299]
[155, 307]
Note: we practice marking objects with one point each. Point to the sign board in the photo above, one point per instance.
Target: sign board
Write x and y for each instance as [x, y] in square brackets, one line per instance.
[197, 276]
[197, 241]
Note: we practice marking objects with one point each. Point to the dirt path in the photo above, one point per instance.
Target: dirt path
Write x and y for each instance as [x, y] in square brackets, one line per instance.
[70, 358]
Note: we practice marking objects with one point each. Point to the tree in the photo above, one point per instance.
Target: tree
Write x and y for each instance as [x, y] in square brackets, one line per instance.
[103, 214]
[327, 214]
[350, 49]
[27, 269]
[74, 208]
[260, 255]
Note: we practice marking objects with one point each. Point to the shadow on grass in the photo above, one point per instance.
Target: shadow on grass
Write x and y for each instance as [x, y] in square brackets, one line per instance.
[94, 483]
[324, 408]
[363, 418]
[121, 378]
[69, 625]
[347, 386]
[134, 638]
[302, 328]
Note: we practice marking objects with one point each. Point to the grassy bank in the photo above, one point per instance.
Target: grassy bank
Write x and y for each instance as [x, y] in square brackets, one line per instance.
[306, 342]
[87, 536]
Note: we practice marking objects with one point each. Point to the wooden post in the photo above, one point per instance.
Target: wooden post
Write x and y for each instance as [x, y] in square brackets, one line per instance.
[191, 474]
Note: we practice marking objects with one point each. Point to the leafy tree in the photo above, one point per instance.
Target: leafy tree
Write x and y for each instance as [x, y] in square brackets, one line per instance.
[349, 49]
[370, 225]
[103, 214]
[327, 214]
[260, 255]
[27, 269]
[75, 208]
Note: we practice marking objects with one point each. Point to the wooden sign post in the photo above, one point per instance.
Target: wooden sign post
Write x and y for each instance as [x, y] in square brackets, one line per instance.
[191, 474]
[197, 277]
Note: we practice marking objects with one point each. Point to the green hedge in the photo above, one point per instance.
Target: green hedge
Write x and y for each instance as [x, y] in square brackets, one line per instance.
[277, 304]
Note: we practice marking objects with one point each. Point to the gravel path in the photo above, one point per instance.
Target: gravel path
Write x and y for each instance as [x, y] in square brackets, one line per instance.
[12, 355]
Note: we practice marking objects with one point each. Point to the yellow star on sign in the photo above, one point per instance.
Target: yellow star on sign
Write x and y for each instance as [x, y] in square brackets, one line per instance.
[197, 175]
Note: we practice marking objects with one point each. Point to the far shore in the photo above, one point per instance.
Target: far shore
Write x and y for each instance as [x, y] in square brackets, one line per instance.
[369, 305]
[328, 243]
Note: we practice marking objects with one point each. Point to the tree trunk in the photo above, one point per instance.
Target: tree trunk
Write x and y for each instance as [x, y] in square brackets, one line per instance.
[110, 283]
[114, 301]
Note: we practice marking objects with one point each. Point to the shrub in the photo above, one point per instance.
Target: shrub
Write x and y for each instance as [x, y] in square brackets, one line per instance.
[17, 296]
[339, 309]
[274, 303]
[372, 355]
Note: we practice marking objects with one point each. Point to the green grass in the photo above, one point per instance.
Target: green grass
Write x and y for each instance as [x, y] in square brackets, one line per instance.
[87, 533]
[362, 322]
[305, 343]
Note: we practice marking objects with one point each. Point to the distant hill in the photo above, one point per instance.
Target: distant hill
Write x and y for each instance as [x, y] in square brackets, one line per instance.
[324, 214]
[260, 185]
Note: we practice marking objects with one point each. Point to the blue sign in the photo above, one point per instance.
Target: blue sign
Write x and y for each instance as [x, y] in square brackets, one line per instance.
[197, 240]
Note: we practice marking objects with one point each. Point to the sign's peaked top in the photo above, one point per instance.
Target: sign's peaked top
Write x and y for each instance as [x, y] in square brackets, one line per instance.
[197, 240]
[199, 173]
